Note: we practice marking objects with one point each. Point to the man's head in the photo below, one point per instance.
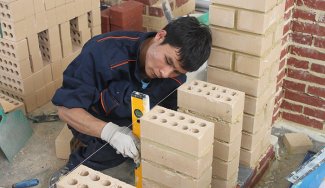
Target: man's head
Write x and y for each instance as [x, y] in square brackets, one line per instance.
[182, 46]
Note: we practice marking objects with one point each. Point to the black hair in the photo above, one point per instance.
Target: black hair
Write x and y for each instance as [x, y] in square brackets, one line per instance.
[193, 40]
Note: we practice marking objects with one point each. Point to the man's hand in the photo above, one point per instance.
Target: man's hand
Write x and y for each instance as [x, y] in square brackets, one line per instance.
[122, 139]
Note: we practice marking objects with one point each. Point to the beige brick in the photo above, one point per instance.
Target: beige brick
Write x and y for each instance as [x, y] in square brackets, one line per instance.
[41, 21]
[56, 70]
[258, 5]
[175, 159]
[222, 16]
[62, 143]
[278, 33]
[47, 73]
[223, 130]
[96, 30]
[185, 9]
[95, 4]
[185, 133]
[41, 96]
[79, 8]
[80, 23]
[87, 5]
[252, 124]
[297, 142]
[20, 69]
[221, 58]
[49, 4]
[94, 17]
[38, 78]
[154, 22]
[227, 151]
[14, 50]
[151, 184]
[83, 175]
[12, 11]
[50, 89]
[211, 99]
[237, 41]
[65, 39]
[256, 66]
[256, 105]
[251, 141]
[256, 22]
[250, 158]
[219, 182]
[9, 104]
[61, 13]
[250, 85]
[225, 170]
[39, 6]
[59, 3]
[52, 17]
[169, 178]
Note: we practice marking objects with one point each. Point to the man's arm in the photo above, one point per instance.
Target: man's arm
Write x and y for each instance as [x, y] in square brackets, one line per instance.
[82, 121]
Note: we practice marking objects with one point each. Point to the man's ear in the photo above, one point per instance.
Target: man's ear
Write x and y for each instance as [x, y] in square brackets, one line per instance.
[160, 36]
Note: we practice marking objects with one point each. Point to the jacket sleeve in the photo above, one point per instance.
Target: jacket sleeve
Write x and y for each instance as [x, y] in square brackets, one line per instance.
[80, 80]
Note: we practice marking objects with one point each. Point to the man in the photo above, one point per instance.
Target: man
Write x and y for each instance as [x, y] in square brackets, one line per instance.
[95, 96]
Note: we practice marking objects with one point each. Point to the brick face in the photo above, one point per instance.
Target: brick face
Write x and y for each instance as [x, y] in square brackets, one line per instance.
[290, 106]
[294, 86]
[313, 4]
[297, 63]
[305, 76]
[302, 14]
[317, 91]
[304, 98]
[314, 112]
[301, 119]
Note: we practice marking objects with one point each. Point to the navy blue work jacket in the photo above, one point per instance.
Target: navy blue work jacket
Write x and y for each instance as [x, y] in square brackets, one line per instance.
[102, 78]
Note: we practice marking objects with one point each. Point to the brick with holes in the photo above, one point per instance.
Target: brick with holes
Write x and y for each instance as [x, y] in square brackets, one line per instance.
[83, 176]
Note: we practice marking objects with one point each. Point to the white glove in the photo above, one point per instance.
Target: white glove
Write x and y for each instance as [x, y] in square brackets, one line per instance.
[122, 139]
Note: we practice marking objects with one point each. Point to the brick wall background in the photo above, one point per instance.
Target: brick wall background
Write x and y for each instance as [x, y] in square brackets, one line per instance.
[301, 79]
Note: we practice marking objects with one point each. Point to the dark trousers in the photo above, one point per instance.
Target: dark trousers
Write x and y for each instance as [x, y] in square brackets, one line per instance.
[91, 155]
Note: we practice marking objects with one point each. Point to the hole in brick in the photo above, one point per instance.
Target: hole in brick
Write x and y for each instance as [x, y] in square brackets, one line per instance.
[9, 26]
[161, 111]
[233, 93]
[202, 125]
[72, 182]
[195, 130]
[153, 117]
[1, 5]
[199, 90]
[171, 114]
[189, 88]
[84, 173]
[106, 183]
[14, 55]
[7, 45]
[94, 177]
[82, 186]
[119, 186]
[2, 44]
[15, 65]
[181, 118]
[191, 121]
[207, 93]
[16, 72]
[18, 82]
[20, 90]
[195, 83]
[6, 6]
[8, 15]
[11, 35]
[224, 90]
[3, 14]
[217, 96]
[205, 85]
[16, 103]
[4, 25]
[174, 124]
[6, 34]
[228, 99]
[185, 127]
[163, 120]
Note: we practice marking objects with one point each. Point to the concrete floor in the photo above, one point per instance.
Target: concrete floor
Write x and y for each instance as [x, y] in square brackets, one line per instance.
[37, 159]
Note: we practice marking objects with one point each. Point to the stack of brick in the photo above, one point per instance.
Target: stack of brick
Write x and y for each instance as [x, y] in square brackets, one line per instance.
[86, 177]
[39, 39]
[153, 15]
[245, 56]
[176, 149]
[224, 107]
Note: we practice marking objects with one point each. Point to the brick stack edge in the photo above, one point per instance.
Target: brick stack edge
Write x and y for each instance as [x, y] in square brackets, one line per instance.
[39, 39]
[245, 56]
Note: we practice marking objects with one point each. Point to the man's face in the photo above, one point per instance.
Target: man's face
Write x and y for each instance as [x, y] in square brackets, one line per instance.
[162, 60]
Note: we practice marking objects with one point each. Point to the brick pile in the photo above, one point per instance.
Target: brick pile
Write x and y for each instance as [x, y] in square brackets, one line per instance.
[176, 149]
[245, 56]
[38, 39]
[153, 15]
[224, 107]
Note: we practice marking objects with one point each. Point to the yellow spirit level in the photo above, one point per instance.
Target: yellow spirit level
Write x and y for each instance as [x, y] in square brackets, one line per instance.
[140, 104]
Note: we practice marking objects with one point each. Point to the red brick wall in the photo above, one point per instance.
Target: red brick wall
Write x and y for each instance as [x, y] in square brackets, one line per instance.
[301, 79]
